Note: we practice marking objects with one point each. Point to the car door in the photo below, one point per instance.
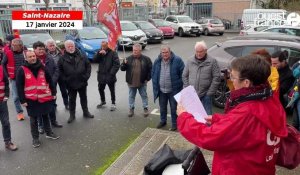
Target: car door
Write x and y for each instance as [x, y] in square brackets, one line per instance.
[173, 23]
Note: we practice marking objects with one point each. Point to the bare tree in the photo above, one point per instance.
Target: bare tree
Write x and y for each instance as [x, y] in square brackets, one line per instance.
[88, 6]
[46, 4]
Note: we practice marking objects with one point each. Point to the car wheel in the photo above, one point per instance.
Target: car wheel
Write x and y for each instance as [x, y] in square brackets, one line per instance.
[144, 46]
[206, 32]
[180, 32]
[221, 34]
[221, 95]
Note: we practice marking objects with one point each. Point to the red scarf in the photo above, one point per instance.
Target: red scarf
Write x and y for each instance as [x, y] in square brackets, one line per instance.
[43, 59]
[260, 92]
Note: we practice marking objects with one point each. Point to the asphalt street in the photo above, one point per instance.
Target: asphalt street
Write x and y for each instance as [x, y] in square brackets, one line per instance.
[86, 143]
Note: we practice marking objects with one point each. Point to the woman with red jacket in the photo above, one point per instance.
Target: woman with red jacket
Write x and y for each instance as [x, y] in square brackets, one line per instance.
[245, 139]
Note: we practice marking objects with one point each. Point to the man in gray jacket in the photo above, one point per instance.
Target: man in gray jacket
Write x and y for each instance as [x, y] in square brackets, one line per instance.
[203, 73]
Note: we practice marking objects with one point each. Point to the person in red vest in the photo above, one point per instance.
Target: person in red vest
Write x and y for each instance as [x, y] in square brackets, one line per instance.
[7, 46]
[12, 60]
[4, 115]
[37, 93]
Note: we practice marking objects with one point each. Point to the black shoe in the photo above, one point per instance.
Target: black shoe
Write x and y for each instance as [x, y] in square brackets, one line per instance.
[101, 105]
[173, 129]
[160, 125]
[88, 115]
[52, 136]
[41, 130]
[72, 118]
[56, 125]
[67, 107]
[146, 112]
[36, 143]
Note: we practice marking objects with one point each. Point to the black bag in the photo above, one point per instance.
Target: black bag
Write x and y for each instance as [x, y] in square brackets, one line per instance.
[166, 156]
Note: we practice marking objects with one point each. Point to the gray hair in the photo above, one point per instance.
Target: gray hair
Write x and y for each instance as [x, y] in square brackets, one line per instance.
[137, 45]
[50, 41]
[69, 42]
[201, 44]
[18, 41]
[164, 46]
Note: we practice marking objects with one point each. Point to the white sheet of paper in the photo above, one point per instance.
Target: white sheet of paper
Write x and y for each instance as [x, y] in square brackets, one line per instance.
[190, 101]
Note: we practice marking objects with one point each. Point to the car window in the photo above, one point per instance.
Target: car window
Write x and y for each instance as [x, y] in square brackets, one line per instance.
[170, 19]
[216, 21]
[260, 28]
[294, 32]
[29, 39]
[201, 21]
[234, 51]
[182, 19]
[146, 25]
[91, 33]
[294, 55]
[161, 23]
[278, 30]
[128, 26]
[247, 50]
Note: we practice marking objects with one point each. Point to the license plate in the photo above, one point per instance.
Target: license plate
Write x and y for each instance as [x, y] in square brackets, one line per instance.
[157, 38]
[195, 30]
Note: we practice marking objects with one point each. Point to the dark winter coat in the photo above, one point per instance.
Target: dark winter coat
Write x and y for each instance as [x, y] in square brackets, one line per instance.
[146, 65]
[109, 65]
[75, 69]
[176, 70]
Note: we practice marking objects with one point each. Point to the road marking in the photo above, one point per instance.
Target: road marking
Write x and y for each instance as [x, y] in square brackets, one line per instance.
[156, 112]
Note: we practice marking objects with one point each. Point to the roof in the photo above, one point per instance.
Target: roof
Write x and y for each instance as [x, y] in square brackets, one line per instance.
[268, 36]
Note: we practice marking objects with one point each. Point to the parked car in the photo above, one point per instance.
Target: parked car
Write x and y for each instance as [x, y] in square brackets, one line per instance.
[31, 37]
[211, 25]
[227, 51]
[252, 29]
[153, 34]
[164, 26]
[268, 35]
[184, 25]
[87, 40]
[131, 35]
[289, 30]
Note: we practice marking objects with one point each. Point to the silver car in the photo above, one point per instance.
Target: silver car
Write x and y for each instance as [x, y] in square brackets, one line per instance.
[225, 52]
[211, 25]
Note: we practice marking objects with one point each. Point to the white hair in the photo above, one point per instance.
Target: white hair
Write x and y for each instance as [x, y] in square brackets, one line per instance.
[50, 41]
[164, 46]
[69, 42]
[137, 45]
[201, 44]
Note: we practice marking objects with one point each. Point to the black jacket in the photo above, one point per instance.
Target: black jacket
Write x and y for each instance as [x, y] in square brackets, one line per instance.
[109, 65]
[146, 65]
[74, 69]
[286, 81]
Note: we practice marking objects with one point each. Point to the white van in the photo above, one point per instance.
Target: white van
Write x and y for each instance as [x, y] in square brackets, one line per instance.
[263, 17]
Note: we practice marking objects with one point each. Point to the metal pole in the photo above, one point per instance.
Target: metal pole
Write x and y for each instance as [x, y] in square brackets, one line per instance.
[25, 1]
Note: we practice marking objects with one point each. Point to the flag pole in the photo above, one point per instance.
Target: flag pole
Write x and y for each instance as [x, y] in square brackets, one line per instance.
[123, 48]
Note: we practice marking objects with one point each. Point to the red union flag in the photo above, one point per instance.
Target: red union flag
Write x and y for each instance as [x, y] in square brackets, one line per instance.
[108, 15]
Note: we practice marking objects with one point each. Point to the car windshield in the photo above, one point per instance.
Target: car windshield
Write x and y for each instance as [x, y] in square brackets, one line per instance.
[29, 39]
[161, 23]
[183, 19]
[216, 21]
[128, 26]
[91, 33]
[146, 25]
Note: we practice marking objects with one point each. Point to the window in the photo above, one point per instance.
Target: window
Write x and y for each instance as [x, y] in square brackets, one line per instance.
[37, 1]
[294, 55]
[64, 1]
[234, 51]
[55, 1]
[247, 50]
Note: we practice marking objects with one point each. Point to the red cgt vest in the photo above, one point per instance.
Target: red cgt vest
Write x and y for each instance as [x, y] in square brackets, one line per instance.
[10, 64]
[2, 84]
[36, 89]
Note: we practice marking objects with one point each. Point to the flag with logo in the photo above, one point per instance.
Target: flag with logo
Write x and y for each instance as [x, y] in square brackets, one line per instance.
[108, 15]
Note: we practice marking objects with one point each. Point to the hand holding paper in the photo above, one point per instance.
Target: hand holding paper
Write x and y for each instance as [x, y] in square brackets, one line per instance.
[190, 101]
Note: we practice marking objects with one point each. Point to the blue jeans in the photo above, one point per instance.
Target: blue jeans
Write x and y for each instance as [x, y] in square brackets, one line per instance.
[163, 105]
[16, 97]
[143, 92]
[5, 122]
[298, 111]
[207, 103]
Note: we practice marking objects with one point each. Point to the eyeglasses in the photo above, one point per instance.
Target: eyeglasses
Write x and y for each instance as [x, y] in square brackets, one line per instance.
[235, 78]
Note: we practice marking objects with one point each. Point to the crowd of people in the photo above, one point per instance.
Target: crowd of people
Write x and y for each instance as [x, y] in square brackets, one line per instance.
[254, 111]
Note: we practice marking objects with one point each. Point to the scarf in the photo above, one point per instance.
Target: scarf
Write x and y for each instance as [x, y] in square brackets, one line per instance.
[260, 92]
